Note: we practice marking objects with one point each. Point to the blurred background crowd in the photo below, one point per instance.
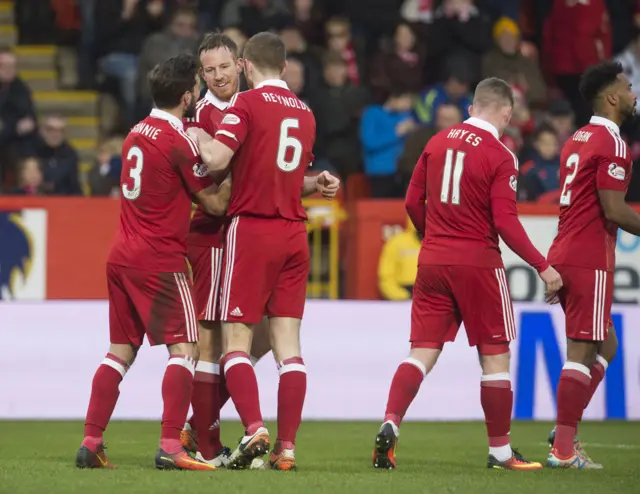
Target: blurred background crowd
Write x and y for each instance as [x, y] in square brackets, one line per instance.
[382, 76]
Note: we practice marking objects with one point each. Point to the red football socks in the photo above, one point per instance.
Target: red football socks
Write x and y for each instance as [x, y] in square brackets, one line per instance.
[104, 396]
[177, 387]
[574, 391]
[598, 370]
[243, 389]
[291, 393]
[206, 407]
[496, 398]
[404, 388]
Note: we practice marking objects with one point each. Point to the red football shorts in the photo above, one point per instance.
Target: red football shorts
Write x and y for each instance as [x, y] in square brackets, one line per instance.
[445, 296]
[156, 304]
[586, 298]
[206, 266]
[265, 269]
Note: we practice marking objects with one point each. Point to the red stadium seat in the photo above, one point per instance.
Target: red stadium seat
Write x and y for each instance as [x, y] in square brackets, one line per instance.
[357, 187]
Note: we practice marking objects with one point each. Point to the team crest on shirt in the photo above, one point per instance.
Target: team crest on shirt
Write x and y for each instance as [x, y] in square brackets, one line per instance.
[513, 183]
[617, 172]
[200, 170]
[231, 119]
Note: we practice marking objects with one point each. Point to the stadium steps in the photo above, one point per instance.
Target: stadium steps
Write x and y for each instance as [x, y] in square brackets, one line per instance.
[36, 57]
[6, 14]
[8, 34]
[40, 80]
[83, 128]
[86, 148]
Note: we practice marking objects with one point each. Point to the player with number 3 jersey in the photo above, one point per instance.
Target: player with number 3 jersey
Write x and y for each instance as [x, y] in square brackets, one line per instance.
[595, 173]
[468, 180]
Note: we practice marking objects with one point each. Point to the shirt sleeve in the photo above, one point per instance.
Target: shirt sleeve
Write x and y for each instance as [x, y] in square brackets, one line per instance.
[189, 165]
[505, 180]
[613, 172]
[233, 128]
[417, 195]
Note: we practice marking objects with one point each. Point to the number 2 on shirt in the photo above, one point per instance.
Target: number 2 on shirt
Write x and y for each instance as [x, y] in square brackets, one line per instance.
[457, 165]
[572, 164]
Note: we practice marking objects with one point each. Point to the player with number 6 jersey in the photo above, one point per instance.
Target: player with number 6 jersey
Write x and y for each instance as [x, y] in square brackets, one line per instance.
[148, 284]
[270, 134]
[595, 173]
[469, 179]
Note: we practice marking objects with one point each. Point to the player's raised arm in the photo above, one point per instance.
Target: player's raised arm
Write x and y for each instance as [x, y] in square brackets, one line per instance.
[508, 226]
[417, 195]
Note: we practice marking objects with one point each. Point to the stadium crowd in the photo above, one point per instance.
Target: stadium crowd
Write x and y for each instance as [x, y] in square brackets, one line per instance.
[382, 76]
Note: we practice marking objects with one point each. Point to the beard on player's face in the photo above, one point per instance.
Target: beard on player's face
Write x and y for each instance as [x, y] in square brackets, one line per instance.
[224, 87]
[190, 109]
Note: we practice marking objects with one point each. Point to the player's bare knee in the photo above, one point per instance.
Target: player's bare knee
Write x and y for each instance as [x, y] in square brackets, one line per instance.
[236, 337]
[427, 356]
[494, 359]
[126, 353]
[581, 352]
[210, 343]
[609, 347]
[187, 349]
[284, 335]
[261, 344]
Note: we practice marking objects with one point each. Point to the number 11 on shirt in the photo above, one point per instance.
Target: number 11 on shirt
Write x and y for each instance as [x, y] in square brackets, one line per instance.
[453, 160]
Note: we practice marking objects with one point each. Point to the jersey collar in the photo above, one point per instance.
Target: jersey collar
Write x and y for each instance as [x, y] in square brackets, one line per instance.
[484, 125]
[273, 82]
[215, 101]
[595, 120]
[163, 115]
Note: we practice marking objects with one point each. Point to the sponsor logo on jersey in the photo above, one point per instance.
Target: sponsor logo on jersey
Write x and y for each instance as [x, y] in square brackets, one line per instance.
[231, 119]
[617, 172]
[200, 171]
[15, 253]
[513, 182]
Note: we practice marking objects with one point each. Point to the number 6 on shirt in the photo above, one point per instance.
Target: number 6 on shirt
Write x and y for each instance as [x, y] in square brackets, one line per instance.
[286, 142]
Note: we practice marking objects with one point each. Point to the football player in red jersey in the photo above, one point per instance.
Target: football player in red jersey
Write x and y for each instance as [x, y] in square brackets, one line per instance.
[469, 178]
[147, 276]
[595, 175]
[220, 68]
[270, 134]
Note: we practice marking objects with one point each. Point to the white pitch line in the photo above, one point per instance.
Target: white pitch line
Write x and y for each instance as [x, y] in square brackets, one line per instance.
[603, 445]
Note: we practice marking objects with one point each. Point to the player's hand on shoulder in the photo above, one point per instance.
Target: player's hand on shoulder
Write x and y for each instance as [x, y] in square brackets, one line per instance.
[327, 185]
[553, 280]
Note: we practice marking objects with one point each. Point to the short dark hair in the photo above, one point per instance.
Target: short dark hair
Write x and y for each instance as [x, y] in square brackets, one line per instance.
[493, 91]
[217, 39]
[266, 51]
[597, 78]
[169, 80]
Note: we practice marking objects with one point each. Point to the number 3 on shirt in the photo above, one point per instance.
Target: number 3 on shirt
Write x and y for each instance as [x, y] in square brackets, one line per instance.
[286, 142]
[572, 164]
[458, 167]
[135, 172]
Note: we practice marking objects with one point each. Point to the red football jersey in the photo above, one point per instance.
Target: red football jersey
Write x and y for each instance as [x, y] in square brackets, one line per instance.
[161, 172]
[273, 134]
[207, 229]
[465, 167]
[595, 158]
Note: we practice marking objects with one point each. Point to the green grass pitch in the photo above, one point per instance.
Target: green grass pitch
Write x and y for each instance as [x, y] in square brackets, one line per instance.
[335, 458]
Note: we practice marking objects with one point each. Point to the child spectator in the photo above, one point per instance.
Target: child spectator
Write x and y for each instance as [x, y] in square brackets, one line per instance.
[29, 177]
[540, 171]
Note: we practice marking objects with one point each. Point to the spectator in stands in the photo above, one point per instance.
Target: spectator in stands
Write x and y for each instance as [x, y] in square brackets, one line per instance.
[308, 18]
[59, 159]
[540, 169]
[181, 36]
[296, 79]
[383, 130]
[104, 176]
[398, 264]
[560, 116]
[576, 35]
[253, 16]
[401, 64]
[337, 106]
[339, 39]
[447, 116]
[507, 62]
[236, 34]
[121, 27]
[297, 46]
[460, 30]
[630, 61]
[29, 177]
[521, 116]
[454, 90]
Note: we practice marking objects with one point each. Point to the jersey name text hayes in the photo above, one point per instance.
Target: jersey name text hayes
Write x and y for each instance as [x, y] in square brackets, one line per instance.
[468, 137]
[284, 100]
[146, 130]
